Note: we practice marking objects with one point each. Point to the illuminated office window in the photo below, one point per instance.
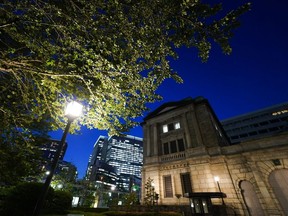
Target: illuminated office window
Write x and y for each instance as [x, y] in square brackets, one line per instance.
[177, 125]
[171, 126]
[165, 128]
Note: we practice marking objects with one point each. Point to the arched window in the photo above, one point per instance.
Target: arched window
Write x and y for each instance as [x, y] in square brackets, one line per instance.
[278, 180]
[251, 199]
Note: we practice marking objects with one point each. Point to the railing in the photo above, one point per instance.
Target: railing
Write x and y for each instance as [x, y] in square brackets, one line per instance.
[172, 157]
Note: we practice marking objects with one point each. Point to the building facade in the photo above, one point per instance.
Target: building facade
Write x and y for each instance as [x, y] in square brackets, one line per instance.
[119, 155]
[99, 154]
[185, 148]
[126, 155]
[50, 148]
[261, 123]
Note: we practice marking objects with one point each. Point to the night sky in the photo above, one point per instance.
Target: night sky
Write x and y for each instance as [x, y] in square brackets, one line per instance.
[254, 76]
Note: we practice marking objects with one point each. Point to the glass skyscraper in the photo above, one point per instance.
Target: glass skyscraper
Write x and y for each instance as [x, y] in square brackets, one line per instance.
[123, 153]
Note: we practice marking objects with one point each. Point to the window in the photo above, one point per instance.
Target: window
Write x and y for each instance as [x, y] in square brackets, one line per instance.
[165, 128]
[253, 133]
[274, 120]
[263, 131]
[264, 123]
[243, 135]
[177, 125]
[168, 192]
[186, 183]
[201, 206]
[173, 146]
[171, 126]
[274, 129]
[180, 145]
[166, 148]
[234, 137]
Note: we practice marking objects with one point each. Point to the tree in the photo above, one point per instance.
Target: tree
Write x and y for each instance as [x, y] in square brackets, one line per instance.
[130, 200]
[150, 193]
[19, 155]
[110, 55]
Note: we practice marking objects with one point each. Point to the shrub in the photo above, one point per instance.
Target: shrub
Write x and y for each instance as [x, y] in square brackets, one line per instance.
[21, 199]
[119, 213]
[61, 202]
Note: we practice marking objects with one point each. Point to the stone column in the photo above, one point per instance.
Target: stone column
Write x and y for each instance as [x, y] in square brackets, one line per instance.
[186, 129]
[155, 140]
[148, 141]
[196, 129]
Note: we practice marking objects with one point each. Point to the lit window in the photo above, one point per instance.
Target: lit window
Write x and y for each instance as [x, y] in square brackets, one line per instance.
[165, 128]
[177, 125]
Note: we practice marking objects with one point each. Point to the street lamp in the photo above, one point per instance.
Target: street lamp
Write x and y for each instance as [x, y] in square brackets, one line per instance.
[216, 178]
[73, 110]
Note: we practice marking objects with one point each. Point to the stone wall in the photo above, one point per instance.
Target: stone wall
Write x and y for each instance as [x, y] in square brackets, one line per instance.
[207, 156]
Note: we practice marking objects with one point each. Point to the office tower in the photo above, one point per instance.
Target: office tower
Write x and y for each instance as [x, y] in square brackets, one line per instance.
[126, 155]
[99, 154]
[50, 148]
[122, 155]
[260, 123]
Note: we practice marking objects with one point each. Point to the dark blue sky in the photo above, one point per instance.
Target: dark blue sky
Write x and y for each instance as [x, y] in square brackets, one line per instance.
[254, 76]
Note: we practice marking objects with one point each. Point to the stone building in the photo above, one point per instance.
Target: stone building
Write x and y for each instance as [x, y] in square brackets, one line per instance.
[185, 148]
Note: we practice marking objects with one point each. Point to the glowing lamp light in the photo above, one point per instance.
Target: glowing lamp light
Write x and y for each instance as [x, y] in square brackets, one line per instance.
[59, 186]
[73, 110]
[216, 178]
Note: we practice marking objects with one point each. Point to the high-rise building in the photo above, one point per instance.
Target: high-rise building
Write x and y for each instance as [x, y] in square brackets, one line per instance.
[122, 155]
[65, 171]
[260, 123]
[50, 148]
[98, 154]
[126, 154]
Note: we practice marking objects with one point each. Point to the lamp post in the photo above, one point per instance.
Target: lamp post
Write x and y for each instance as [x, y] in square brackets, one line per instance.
[216, 178]
[73, 110]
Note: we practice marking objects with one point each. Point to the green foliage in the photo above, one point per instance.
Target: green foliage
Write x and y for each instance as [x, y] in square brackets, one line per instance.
[86, 191]
[110, 55]
[61, 202]
[21, 199]
[110, 213]
[150, 193]
[19, 158]
[65, 179]
[130, 200]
